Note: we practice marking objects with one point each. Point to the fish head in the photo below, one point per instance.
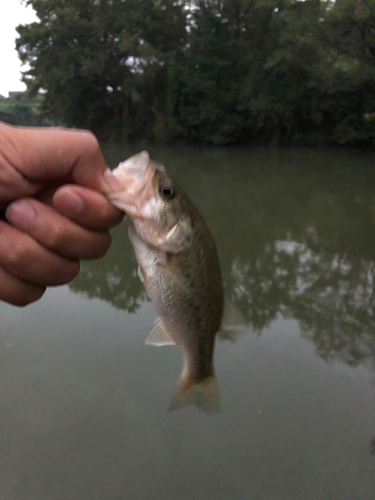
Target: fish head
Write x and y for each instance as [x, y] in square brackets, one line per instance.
[154, 202]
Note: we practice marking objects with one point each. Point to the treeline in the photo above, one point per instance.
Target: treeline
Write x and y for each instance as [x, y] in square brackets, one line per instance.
[18, 109]
[218, 72]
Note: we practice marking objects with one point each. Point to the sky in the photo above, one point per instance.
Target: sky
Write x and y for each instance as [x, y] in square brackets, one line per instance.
[12, 13]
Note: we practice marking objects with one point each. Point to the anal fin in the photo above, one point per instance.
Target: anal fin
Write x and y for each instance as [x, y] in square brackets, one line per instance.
[159, 335]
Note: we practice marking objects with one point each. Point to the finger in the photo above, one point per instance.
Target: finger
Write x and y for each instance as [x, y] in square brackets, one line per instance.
[55, 232]
[31, 157]
[23, 257]
[47, 194]
[18, 292]
[87, 207]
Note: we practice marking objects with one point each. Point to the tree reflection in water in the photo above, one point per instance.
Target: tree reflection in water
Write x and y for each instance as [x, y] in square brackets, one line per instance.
[331, 297]
[293, 242]
[113, 278]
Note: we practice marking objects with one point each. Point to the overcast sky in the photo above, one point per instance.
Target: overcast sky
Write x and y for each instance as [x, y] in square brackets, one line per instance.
[12, 13]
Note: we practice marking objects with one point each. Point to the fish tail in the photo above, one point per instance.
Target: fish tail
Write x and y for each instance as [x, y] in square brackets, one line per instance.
[204, 395]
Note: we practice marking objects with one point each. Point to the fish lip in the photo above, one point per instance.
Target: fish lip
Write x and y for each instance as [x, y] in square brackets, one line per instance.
[135, 165]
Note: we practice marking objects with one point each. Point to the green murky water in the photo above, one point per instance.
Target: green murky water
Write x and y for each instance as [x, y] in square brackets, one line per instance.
[83, 400]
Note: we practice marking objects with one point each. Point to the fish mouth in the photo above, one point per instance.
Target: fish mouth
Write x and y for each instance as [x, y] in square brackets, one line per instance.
[136, 176]
[135, 165]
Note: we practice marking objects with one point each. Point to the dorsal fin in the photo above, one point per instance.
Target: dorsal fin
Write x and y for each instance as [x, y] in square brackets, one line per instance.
[159, 335]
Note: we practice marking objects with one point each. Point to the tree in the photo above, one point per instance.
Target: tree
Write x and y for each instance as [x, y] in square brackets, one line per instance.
[18, 109]
[213, 71]
[89, 55]
[349, 33]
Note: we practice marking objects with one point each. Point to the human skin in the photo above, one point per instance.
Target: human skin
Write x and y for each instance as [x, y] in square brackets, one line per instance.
[52, 186]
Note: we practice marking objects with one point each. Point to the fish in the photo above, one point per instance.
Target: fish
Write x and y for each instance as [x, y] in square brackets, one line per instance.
[179, 267]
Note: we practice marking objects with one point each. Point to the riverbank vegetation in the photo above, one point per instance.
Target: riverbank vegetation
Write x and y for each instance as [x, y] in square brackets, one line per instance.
[216, 72]
[18, 109]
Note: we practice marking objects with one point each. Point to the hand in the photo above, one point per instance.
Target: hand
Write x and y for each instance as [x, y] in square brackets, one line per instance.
[50, 188]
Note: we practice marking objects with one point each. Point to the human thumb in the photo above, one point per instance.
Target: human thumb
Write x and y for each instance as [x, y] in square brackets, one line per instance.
[30, 158]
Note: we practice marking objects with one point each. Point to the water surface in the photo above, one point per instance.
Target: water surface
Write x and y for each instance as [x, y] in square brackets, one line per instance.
[83, 401]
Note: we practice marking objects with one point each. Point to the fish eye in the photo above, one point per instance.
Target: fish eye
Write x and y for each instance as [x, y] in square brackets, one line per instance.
[167, 192]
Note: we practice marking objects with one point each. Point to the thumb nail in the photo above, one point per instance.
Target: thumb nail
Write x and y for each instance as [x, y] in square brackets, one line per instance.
[111, 180]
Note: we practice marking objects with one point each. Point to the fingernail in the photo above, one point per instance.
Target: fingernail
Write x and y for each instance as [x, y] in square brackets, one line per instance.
[20, 215]
[71, 201]
[111, 180]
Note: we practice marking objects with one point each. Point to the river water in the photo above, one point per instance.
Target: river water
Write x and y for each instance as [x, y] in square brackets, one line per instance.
[83, 402]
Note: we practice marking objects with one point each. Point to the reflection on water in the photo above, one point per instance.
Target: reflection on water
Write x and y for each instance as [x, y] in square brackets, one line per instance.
[295, 236]
[83, 401]
[114, 280]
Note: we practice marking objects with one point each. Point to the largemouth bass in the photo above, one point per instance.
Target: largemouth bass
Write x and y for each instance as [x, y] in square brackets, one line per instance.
[179, 267]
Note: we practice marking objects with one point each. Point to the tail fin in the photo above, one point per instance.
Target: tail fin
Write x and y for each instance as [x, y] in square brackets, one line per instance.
[204, 395]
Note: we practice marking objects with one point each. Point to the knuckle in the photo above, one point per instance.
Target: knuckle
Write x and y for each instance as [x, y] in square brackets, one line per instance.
[56, 237]
[90, 141]
[116, 217]
[26, 296]
[16, 257]
[103, 246]
[70, 272]
[31, 296]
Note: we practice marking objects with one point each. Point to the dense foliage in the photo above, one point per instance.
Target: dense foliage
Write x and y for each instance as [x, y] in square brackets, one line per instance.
[18, 109]
[220, 72]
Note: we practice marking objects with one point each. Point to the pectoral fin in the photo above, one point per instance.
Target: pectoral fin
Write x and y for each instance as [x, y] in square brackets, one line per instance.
[179, 238]
[159, 335]
[142, 276]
